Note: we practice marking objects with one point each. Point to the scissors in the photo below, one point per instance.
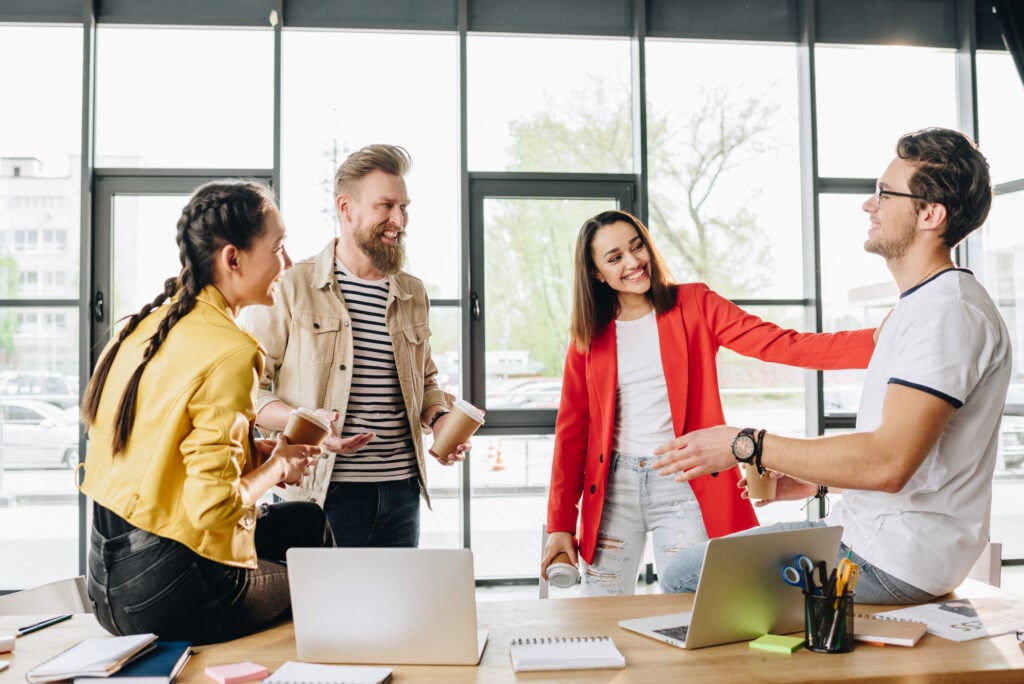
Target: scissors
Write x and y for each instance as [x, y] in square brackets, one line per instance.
[800, 573]
[846, 577]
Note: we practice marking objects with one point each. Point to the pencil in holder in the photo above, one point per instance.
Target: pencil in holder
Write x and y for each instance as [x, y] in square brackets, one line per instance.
[828, 623]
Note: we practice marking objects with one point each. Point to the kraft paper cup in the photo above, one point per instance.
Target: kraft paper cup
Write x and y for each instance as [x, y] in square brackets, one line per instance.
[305, 427]
[759, 487]
[562, 573]
[459, 426]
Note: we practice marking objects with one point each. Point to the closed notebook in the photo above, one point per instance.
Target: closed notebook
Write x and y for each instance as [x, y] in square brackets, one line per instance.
[161, 665]
[310, 673]
[564, 653]
[887, 630]
[97, 657]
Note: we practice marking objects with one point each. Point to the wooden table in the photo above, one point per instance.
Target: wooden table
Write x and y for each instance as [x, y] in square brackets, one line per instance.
[998, 659]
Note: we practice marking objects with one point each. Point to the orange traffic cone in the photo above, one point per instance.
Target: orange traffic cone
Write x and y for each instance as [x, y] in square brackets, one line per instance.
[498, 464]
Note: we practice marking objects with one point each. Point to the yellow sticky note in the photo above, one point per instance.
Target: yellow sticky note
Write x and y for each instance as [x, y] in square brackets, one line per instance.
[776, 643]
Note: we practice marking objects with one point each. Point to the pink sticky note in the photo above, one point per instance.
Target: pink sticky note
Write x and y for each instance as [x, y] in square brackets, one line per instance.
[236, 673]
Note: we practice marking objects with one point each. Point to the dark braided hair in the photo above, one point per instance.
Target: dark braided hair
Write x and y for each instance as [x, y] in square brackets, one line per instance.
[218, 214]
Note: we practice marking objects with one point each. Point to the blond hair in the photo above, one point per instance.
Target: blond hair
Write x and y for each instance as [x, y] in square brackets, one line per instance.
[390, 159]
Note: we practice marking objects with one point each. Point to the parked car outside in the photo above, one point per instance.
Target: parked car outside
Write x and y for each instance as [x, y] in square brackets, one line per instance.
[35, 434]
[55, 388]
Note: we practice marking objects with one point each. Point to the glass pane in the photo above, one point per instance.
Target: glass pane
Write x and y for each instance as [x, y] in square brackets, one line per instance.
[869, 96]
[442, 526]
[1002, 265]
[857, 289]
[510, 476]
[549, 104]
[184, 97]
[723, 147]
[145, 248]
[40, 144]
[39, 440]
[1000, 102]
[402, 101]
[528, 270]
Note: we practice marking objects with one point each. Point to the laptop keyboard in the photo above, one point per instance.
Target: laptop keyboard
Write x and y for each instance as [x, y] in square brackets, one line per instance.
[678, 633]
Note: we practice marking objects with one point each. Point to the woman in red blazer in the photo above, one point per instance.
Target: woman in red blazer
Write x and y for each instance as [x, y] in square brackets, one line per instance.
[640, 371]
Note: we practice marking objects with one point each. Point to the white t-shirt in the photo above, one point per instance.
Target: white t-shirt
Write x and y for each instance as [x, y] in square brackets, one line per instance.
[945, 337]
[643, 419]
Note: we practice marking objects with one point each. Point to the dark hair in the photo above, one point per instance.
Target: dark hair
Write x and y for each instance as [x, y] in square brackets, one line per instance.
[390, 159]
[219, 213]
[595, 304]
[950, 170]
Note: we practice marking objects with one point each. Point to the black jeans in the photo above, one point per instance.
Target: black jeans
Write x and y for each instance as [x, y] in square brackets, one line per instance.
[139, 582]
[375, 513]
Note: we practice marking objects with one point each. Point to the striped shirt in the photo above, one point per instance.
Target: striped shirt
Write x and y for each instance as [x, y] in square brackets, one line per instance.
[375, 402]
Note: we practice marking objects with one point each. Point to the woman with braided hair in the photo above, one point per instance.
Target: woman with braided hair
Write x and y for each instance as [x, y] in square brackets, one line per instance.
[179, 547]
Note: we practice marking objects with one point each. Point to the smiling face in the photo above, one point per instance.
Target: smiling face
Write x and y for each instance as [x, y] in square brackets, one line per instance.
[893, 217]
[621, 259]
[376, 214]
[264, 263]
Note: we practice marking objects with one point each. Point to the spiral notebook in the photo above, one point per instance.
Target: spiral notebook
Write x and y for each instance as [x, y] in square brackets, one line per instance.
[878, 629]
[564, 653]
[311, 673]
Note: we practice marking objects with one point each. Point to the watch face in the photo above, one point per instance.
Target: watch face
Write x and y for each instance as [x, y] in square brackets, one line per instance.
[743, 447]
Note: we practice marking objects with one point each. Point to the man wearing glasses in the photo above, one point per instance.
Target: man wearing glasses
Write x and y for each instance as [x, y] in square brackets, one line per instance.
[917, 473]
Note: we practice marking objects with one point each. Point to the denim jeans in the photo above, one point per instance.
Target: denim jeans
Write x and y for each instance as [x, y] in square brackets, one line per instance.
[873, 585]
[140, 582]
[638, 500]
[375, 513]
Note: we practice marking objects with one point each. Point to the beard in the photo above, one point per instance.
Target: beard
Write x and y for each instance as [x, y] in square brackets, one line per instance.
[387, 259]
[893, 247]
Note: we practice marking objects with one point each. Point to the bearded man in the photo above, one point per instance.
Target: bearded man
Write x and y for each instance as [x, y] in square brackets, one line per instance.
[349, 337]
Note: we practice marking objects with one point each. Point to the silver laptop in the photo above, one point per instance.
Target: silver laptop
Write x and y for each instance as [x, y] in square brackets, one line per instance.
[388, 606]
[741, 594]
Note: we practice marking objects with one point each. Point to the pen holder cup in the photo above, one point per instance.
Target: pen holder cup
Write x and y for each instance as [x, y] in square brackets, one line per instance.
[828, 623]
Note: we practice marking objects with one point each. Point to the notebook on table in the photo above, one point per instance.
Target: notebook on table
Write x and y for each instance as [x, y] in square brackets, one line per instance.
[741, 595]
[564, 653]
[388, 606]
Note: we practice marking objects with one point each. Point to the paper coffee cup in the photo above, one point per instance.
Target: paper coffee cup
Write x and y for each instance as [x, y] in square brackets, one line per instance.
[562, 573]
[305, 427]
[759, 487]
[459, 426]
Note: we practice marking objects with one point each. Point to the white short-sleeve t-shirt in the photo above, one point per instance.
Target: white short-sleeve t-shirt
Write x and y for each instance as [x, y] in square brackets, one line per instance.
[946, 338]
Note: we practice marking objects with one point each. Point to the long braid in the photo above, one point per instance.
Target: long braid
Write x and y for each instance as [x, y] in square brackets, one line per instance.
[219, 213]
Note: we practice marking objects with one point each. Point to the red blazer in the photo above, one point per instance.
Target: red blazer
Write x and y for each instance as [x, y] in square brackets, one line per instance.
[690, 335]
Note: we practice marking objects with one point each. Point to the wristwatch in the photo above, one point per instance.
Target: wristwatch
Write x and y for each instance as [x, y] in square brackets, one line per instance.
[744, 446]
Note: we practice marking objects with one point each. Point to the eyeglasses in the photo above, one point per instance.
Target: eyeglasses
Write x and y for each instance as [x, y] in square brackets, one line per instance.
[879, 192]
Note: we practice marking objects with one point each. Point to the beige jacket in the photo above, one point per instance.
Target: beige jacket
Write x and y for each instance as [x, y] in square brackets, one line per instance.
[189, 445]
[307, 336]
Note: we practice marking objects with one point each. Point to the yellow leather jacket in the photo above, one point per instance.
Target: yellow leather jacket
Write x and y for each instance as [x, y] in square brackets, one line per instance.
[307, 335]
[179, 476]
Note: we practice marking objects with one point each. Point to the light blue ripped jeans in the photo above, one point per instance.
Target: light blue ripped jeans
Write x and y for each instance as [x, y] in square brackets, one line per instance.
[638, 500]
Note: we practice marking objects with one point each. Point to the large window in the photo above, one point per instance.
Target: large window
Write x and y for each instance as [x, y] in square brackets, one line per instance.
[705, 126]
[40, 125]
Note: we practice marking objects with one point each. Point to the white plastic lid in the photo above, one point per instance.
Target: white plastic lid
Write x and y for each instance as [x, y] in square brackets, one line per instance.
[470, 410]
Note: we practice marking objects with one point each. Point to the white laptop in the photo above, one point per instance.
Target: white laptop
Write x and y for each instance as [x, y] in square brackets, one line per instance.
[741, 594]
[389, 606]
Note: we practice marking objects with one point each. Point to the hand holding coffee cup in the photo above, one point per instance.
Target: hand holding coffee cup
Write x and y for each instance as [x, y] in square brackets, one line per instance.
[758, 486]
[306, 427]
[561, 572]
[453, 430]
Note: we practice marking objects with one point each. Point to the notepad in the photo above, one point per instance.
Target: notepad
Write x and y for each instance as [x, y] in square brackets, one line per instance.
[777, 643]
[310, 673]
[160, 665]
[564, 653]
[879, 629]
[98, 657]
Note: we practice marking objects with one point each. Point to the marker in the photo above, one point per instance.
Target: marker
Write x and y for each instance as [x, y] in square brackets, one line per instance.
[42, 624]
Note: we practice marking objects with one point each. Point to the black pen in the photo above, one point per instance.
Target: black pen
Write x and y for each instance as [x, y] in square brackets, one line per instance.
[35, 627]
